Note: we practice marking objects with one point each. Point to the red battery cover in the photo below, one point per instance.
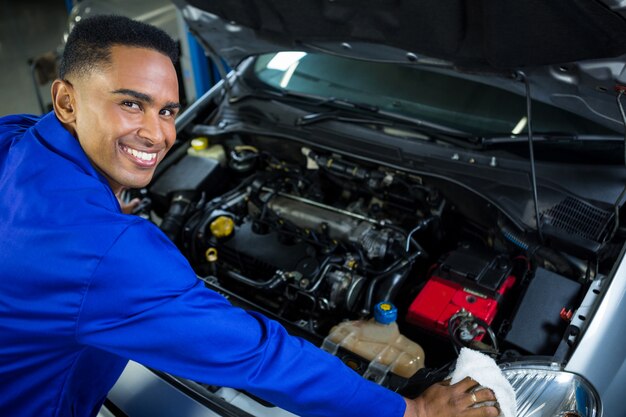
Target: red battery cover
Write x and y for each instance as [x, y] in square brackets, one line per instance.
[440, 299]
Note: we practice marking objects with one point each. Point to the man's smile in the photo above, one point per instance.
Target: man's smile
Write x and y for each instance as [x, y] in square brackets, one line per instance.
[141, 158]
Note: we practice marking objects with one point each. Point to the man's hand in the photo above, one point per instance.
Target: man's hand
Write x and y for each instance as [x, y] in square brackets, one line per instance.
[128, 208]
[445, 400]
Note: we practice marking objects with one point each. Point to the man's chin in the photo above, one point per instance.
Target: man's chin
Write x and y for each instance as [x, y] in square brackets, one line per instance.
[139, 184]
[135, 181]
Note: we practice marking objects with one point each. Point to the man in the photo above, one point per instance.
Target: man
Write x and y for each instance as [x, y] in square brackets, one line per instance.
[85, 287]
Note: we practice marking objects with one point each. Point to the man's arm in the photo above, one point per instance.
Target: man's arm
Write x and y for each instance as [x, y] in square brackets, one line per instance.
[145, 303]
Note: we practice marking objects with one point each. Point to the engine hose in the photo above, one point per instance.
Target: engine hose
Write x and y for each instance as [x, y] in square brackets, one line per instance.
[514, 238]
[175, 217]
[395, 265]
[269, 284]
[206, 212]
[390, 287]
[189, 235]
[545, 255]
[420, 226]
[557, 261]
[369, 297]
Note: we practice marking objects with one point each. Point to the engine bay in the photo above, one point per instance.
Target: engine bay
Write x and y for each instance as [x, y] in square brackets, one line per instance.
[315, 239]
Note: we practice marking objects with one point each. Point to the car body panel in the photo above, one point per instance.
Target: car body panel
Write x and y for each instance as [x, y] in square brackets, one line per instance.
[601, 352]
[140, 392]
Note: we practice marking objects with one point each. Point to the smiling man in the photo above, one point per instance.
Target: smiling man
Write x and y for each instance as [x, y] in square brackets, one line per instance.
[85, 287]
[123, 114]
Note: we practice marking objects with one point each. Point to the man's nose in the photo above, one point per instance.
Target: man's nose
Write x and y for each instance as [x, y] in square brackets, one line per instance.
[152, 128]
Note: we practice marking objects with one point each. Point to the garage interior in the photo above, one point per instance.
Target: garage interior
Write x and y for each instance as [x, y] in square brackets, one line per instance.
[27, 29]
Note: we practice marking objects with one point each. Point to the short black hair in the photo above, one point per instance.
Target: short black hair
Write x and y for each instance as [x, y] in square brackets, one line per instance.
[90, 41]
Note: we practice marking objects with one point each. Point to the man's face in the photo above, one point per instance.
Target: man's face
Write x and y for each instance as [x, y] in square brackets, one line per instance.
[125, 115]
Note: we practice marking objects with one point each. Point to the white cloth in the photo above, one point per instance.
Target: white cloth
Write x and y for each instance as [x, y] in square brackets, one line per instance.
[484, 370]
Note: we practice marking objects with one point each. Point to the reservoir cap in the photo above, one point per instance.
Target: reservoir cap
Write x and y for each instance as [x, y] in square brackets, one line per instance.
[200, 143]
[385, 313]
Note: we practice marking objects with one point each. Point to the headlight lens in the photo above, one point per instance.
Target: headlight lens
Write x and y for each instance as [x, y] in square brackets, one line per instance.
[547, 391]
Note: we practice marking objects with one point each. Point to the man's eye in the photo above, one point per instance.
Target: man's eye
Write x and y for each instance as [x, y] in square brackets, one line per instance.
[132, 105]
[167, 112]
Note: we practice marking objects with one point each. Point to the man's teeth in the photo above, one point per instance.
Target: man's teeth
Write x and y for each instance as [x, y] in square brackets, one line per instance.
[141, 155]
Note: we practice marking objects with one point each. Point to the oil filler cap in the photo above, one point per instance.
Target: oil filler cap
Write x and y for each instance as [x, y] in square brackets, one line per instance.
[222, 227]
[385, 313]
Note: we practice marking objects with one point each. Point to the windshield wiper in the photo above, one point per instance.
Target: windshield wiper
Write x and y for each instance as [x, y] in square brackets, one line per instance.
[312, 118]
[308, 99]
[367, 113]
[312, 99]
[342, 110]
[553, 137]
[373, 114]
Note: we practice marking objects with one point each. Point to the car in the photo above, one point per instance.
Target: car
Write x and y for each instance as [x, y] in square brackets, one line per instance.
[463, 162]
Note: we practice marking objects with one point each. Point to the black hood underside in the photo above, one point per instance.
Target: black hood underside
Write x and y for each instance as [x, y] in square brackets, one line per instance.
[480, 34]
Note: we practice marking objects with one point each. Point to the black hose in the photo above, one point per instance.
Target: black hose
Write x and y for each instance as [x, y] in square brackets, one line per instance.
[268, 284]
[175, 216]
[369, 297]
[514, 238]
[395, 265]
[390, 287]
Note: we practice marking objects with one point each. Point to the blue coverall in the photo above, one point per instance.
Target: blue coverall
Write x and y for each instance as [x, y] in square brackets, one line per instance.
[84, 288]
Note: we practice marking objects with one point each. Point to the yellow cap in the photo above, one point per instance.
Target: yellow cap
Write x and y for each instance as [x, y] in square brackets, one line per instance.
[385, 306]
[222, 227]
[200, 143]
[351, 264]
[211, 255]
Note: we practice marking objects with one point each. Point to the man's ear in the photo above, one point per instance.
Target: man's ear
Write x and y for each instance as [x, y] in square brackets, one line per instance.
[64, 102]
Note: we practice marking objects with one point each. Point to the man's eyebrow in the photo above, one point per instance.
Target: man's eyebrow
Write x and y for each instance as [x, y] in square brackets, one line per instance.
[171, 105]
[139, 96]
[145, 98]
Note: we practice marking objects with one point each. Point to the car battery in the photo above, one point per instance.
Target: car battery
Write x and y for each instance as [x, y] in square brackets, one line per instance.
[467, 279]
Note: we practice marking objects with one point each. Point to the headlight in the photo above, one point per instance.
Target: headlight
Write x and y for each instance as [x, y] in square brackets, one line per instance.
[547, 391]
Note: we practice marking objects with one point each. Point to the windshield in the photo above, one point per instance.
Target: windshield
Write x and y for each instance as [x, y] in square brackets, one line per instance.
[458, 103]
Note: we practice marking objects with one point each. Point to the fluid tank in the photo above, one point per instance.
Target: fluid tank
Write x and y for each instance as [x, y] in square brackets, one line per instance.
[379, 341]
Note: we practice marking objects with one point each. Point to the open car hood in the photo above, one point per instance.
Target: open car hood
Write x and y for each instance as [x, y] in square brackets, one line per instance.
[572, 51]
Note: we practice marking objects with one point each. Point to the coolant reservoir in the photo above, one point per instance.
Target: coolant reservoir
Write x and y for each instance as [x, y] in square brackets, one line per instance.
[379, 341]
[200, 147]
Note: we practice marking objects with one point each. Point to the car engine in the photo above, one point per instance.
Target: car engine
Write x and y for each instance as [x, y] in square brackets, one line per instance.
[315, 239]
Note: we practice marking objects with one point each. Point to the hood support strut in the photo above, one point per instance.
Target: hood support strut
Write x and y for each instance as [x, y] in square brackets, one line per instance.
[621, 89]
[533, 174]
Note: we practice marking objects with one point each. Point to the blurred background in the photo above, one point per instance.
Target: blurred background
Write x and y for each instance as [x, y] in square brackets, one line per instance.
[32, 37]
[28, 28]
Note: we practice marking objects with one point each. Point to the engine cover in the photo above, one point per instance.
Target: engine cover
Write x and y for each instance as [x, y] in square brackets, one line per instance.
[260, 255]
